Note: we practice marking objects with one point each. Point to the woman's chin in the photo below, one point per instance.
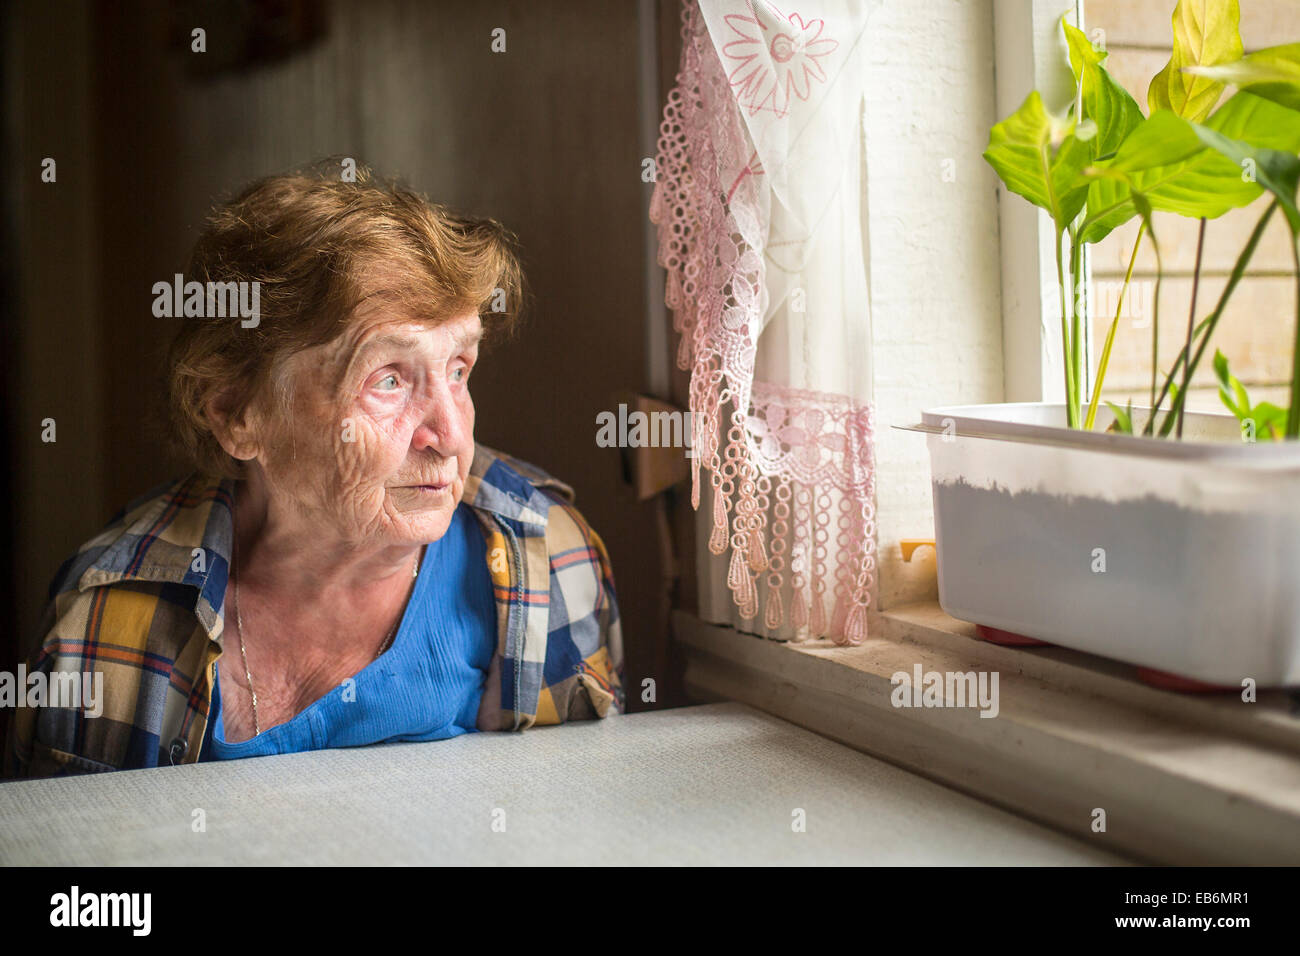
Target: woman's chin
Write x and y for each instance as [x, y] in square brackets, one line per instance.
[425, 524]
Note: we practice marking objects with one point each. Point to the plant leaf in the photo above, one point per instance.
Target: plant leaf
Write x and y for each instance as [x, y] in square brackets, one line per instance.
[1123, 419]
[1168, 161]
[1038, 157]
[1243, 400]
[1273, 73]
[1206, 33]
[1225, 384]
[1269, 416]
[1105, 102]
[1276, 171]
[1231, 391]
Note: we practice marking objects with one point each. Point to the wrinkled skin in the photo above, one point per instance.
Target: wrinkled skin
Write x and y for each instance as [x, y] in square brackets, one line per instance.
[330, 522]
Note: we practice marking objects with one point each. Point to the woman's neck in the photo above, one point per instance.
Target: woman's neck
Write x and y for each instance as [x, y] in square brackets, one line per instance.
[280, 551]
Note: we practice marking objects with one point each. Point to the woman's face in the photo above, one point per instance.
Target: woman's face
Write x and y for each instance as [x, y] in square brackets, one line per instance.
[381, 437]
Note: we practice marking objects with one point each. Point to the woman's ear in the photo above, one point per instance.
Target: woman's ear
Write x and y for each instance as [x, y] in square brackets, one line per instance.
[236, 431]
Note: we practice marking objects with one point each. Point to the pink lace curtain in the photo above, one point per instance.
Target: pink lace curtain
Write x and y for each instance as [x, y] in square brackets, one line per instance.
[757, 203]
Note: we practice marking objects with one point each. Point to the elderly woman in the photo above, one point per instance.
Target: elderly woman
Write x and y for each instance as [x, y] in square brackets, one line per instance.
[345, 566]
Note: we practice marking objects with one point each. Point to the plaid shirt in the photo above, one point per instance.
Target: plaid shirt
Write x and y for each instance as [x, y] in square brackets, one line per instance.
[143, 603]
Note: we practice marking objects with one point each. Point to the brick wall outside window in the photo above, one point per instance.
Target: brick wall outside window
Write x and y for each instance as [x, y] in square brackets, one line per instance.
[1256, 331]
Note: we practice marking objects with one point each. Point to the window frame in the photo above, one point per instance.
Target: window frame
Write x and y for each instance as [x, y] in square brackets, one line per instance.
[1029, 55]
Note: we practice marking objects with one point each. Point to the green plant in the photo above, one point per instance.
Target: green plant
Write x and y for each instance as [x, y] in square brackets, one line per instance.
[1099, 163]
[1123, 422]
[1255, 420]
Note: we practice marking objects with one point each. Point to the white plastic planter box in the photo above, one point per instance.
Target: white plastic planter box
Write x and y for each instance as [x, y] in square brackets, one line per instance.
[1199, 539]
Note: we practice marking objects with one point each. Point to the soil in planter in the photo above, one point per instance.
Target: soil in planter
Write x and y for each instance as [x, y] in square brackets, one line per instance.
[1175, 582]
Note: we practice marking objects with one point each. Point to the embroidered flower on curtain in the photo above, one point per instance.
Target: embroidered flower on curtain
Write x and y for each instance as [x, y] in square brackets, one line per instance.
[774, 64]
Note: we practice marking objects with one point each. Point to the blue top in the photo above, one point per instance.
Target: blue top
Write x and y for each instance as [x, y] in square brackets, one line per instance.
[426, 686]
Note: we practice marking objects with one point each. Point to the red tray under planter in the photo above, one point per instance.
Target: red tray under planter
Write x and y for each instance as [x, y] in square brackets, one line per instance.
[1148, 675]
[1166, 681]
[995, 635]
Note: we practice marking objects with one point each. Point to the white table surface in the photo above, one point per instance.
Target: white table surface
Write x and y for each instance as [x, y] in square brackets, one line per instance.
[713, 784]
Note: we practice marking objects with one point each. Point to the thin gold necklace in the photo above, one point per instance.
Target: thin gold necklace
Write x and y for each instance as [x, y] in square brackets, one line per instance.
[239, 621]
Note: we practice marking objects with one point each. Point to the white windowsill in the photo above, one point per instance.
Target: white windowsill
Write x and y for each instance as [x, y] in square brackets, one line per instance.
[1184, 779]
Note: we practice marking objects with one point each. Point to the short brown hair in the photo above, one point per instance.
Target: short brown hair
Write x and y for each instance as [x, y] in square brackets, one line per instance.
[319, 246]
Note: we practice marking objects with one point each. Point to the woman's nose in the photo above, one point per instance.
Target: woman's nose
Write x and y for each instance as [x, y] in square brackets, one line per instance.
[442, 428]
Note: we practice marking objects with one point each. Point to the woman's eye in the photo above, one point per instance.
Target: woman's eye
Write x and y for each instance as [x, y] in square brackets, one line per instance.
[387, 378]
[460, 374]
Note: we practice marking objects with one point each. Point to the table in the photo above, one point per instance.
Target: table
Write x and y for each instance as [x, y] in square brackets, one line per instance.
[710, 784]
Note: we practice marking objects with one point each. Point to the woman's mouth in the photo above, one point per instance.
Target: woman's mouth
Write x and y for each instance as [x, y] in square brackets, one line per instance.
[434, 494]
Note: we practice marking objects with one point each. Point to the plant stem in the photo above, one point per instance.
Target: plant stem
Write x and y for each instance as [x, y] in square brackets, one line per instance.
[1071, 410]
[1293, 413]
[1213, 320]
[1155, 361]
[1076, 323]
[1191, 318]
[1155, 319]
[1110, 335]
[1155, 325]
[1178, 363]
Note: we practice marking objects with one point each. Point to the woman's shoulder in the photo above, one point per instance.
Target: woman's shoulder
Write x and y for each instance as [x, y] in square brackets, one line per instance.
[170, 534]
[494, 471]
[578, 609]
[149, 583]
[516, 488]
[132, 612]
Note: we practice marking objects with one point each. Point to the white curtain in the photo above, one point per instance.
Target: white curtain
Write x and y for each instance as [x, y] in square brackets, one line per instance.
[758, 201]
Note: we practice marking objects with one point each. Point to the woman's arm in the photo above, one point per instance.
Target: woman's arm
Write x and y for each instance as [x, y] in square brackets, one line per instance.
[590, 638]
